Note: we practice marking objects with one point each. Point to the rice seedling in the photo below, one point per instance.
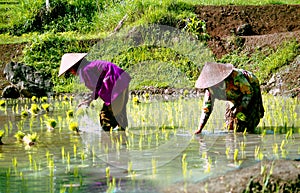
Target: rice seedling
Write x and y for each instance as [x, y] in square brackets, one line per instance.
[51, 124]
[24, 113]
[15, 162]
[4, 109]
[34, 99]
[68, 98]
[1, 135]
[62, 153]
[129, 167]
[44, 99]
[258, 154]
[107, 174]
[70, 113]
[93, 154]
[275, 150]
[34, 109]
[17, 109]
[20, 124]
[146, 95]
[289, 134]
[283, 149]
[2, 103]
[154, 164]
[184, 165]
[73, 126]
[75, 172]
[30, 159]
[82, 156]
[19, 135]
[75, 150]
[30, 139]
[236, 154]
[68, 160]
[51, 167]
[111, 186]
[136, 100]
[227, 151]
[46, 107]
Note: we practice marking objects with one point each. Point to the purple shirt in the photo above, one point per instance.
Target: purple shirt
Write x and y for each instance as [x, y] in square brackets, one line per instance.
[105, 79]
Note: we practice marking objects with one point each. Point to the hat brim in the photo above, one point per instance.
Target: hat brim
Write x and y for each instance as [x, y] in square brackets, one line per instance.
[69, 60]
[212, 74]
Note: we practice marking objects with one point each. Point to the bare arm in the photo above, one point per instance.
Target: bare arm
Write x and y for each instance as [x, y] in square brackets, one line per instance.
[206, 110]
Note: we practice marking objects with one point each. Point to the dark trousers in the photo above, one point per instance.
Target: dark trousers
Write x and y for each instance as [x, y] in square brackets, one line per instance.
[115, 114]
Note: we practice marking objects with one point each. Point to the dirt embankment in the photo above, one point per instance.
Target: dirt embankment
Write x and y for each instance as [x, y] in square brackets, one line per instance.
[257, 27]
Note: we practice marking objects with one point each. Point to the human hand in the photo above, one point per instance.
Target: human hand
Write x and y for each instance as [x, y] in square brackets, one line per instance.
[198, 131]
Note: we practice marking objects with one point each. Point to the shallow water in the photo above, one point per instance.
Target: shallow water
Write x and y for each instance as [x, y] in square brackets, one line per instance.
[157, 151]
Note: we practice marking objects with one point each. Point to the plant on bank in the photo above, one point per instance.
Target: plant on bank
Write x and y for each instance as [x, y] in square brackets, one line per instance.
[45, 52]
[264, 62]
[63, 15]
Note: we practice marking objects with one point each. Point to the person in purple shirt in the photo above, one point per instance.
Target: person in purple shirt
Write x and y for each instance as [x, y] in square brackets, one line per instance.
[106, 81]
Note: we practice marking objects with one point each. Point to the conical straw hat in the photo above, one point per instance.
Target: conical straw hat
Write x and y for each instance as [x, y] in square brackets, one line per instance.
[212, 74]
[68, 60]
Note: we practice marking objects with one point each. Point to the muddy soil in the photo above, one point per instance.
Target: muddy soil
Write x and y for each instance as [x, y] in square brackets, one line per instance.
[258, 25]
[279, 176]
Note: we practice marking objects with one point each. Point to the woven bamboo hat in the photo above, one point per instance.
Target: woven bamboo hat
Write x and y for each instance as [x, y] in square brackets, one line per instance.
[212, 74]
[68, 60]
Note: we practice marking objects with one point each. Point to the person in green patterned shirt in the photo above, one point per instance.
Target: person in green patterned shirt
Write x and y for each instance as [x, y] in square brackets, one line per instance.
[241, 90]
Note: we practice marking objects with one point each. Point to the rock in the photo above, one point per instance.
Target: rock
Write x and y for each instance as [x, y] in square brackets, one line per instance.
[285, 82]
[28, 81]
[244, 30]
[11, 91]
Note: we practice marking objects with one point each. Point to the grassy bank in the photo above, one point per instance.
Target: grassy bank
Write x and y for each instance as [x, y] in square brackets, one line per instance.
[76, 26]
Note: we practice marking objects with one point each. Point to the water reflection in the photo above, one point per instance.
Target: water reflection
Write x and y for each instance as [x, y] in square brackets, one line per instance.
[157, 151]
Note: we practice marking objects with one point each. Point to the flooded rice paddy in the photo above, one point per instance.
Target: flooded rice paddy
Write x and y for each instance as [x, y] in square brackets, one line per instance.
[158, 150]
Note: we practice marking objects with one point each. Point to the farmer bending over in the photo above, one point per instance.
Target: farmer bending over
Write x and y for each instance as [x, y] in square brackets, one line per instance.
[241, 90]
[107, 81]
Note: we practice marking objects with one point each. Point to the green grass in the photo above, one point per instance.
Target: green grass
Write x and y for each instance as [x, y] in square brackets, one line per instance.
[59, 33]
[264, 63]
[19, 17]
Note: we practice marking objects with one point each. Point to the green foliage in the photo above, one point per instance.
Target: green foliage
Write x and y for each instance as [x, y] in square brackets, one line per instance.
[2, 133]
[51, 123]
[2, 102]
[45, 52]
[72, 17]
[282, 56]
[140, 54]
[196, 27]
[74, 126]
[85, 16]
[62, 16]
[17, 13]
[263, 63]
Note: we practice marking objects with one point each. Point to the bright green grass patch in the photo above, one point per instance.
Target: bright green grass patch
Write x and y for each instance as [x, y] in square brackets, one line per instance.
[28, 16]
[264, 62]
